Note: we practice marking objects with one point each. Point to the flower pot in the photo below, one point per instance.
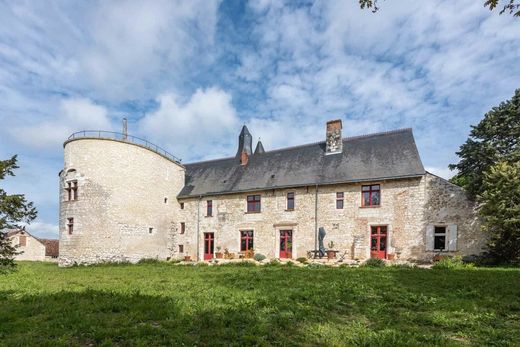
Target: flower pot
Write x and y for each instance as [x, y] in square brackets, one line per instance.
[390, 256]
[219, 255]
[331, 254]
[187, 258]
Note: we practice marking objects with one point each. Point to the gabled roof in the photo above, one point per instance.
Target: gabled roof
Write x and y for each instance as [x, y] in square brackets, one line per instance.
[388, 155]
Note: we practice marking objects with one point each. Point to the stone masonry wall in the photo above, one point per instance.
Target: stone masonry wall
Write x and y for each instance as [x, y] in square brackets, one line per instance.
[407, 206]
[33, 249]
[121, 213]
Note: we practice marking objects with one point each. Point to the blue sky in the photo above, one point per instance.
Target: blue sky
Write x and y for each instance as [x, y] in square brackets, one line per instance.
[188, 74]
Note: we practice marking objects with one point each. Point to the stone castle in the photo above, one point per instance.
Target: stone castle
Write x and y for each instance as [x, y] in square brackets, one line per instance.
[124, 199]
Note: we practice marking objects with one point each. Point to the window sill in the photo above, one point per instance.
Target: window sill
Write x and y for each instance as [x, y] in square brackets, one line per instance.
[252, 212]
[289, 210]
[377, 206]
[208, 216]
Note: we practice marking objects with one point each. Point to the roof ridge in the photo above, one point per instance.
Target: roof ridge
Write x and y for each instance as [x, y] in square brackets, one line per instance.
[349, 138]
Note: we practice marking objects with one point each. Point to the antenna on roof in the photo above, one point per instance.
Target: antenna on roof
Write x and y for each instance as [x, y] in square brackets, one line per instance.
[125, 128]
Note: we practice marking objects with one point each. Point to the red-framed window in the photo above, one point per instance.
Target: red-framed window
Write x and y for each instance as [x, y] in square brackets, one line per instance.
[70, 225]
[340, 196]
[290, 201]
[183, 227]
[209, 208]
[371, 195]
[246, 240]
[253, 203]
[72, 190]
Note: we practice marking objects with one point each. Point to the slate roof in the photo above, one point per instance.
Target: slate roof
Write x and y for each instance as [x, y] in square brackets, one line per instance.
[388, 155]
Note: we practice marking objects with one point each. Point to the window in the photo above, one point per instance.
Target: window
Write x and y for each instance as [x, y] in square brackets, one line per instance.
[72, 190]
[181, 248]
[209, 208]
[182, 206]
[22, 240]
[150, 230]
[290, 201]
[165, 200]
[439, 238]
[246, 240]
[70, 225]
[183, 227]
[370, 195]
[339, 200]
[253, 203]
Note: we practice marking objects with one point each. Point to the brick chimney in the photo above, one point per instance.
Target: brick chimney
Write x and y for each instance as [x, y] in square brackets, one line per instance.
[334, 142]
[244, 157]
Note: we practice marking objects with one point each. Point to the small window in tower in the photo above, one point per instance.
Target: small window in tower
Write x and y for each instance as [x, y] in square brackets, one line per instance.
[72, 190]
[150, 230]
[182, 205]
[183, 227]
[181, 248]
[70, 225]
[165, 200]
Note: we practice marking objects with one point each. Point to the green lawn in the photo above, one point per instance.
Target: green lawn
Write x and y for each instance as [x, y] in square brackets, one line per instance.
[165, 304]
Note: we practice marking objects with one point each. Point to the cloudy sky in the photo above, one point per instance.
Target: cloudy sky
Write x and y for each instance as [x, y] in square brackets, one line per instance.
[188, 74]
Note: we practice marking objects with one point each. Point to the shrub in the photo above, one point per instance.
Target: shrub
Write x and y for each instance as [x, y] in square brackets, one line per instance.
[274, 262]
[374, 262]
[451, 263]
[148, 261]
[259, 257]
[302, 260]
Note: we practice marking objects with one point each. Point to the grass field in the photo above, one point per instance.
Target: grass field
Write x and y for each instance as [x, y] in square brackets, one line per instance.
[164, 304]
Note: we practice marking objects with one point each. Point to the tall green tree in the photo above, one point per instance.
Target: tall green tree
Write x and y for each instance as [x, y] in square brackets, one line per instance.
[500, 209]
[14, 209]
[495, 139]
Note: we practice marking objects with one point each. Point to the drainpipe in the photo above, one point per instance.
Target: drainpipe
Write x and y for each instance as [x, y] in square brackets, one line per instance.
[316, 220]
[198, 228]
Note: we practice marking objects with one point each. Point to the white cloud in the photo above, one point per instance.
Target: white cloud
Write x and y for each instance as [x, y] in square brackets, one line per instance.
[43, 230]
[201, 126]
[72, 115]
[443, 172]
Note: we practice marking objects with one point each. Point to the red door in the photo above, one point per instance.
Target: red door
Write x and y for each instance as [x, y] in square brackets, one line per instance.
[285, 243]
[209, 240]
[378, 239]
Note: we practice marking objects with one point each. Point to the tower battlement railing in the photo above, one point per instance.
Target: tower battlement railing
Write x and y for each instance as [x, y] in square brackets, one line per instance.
[121, 137]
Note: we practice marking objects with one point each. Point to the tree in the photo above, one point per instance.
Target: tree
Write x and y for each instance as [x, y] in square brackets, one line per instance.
[511, 6]
[500, 209]
[495, 139]
[13, 210]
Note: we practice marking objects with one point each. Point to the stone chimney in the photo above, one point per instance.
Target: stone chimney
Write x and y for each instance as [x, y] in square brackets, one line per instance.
[334, 140]
[245, 143]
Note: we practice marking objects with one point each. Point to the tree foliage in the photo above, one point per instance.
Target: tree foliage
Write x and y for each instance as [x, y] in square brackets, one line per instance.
[13, 210]
[500, 209]
[495, 139]
[511, 6]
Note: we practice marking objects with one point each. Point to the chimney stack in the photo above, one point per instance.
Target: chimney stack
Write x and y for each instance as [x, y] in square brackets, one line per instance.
[334, 141]
[244, 157]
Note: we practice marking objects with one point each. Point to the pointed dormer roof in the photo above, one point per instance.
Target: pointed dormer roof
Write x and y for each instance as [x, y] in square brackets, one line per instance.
[259, 148]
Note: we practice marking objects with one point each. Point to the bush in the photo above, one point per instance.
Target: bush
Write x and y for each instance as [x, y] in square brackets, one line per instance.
[302, 260]
[274, 262]
[259, 257]
[374, 262]
[148, 261]
[451, 263]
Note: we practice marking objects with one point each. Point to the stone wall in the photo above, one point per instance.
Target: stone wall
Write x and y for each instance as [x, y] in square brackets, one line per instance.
[33, 249]
[126, 204]
[407, 207]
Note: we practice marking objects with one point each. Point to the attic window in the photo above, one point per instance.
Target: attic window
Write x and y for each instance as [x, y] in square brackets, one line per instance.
[272, 176]
[182, 205]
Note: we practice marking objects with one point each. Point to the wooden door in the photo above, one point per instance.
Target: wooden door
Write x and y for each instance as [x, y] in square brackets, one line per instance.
[209, 240]
[285, 243]
[378, 242]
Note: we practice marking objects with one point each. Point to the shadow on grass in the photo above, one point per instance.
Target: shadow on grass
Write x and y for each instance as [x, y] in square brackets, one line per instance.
[275, 306]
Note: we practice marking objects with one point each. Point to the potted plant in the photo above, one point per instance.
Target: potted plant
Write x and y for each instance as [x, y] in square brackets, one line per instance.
[218, 253]
[331, 254]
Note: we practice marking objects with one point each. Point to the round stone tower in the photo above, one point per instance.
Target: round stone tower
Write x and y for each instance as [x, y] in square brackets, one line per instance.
[117, 199]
